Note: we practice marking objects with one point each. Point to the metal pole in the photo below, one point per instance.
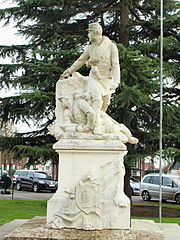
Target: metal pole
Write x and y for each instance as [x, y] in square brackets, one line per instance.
[161, 112]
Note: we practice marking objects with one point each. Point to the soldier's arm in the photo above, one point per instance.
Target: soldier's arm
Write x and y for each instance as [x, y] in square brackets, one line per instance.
[77, 64]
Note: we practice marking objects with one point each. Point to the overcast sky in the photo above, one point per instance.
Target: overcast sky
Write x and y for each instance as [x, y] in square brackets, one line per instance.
[8, 36]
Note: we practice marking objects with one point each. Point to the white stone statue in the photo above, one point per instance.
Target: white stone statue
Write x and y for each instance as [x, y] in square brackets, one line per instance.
[81, 102]
[104, 77]
[91, 145]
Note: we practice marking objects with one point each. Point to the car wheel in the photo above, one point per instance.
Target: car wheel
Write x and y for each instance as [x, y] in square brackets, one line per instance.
[177, 198]
[145, 196]
[35, 187]
[18, 186]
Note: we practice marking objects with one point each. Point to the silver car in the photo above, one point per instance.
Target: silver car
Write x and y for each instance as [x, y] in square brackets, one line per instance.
[135, 186]
[149, 187]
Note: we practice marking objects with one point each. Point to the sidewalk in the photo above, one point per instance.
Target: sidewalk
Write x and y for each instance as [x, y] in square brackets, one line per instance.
[170, 231]
[9, 227]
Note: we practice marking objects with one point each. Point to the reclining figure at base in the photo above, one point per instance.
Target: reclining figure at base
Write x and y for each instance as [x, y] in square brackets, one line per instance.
[75, 113]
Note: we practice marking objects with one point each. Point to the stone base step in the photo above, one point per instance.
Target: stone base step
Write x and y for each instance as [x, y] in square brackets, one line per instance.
[35, 229]
[171, 231]
[167, 231]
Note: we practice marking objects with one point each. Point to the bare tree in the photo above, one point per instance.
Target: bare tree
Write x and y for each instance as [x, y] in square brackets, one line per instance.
[7, 156]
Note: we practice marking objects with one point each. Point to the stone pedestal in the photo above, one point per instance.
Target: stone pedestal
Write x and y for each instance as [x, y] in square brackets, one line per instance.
[90, 192]
[35, 229]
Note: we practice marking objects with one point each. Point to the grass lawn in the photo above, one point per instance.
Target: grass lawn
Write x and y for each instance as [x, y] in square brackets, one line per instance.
[27, 209]
[164, 219]
[21, 209]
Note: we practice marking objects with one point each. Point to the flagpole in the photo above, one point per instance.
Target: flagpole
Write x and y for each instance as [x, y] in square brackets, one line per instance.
[161, 110]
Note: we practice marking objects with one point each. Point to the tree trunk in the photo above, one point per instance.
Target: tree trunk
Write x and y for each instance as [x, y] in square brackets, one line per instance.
[124, 22]
[127, 187]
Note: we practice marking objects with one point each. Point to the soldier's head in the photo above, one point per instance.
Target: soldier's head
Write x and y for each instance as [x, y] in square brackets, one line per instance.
[94, 30]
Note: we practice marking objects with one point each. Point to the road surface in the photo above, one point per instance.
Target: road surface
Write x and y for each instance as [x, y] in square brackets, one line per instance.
[28, 195]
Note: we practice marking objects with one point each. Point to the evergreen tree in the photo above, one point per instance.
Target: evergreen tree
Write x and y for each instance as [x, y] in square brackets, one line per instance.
[56, 31]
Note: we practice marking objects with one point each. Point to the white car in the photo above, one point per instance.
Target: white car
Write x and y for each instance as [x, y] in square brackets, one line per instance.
[135, 186]
[15, 176]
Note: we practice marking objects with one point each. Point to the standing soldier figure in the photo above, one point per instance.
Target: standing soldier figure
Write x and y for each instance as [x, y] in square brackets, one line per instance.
[104, 77]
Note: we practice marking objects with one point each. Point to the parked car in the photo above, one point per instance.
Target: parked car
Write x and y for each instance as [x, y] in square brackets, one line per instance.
[170, 187]
[135, 186]
[35, 180]
[15, 176]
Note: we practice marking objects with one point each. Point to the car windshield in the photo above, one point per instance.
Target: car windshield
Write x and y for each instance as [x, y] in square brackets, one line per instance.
[176, 178]
[134, 180]
[42, 175]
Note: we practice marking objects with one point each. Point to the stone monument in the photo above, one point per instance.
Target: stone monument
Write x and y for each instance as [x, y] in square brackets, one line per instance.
[91, 148]
[91, 145]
